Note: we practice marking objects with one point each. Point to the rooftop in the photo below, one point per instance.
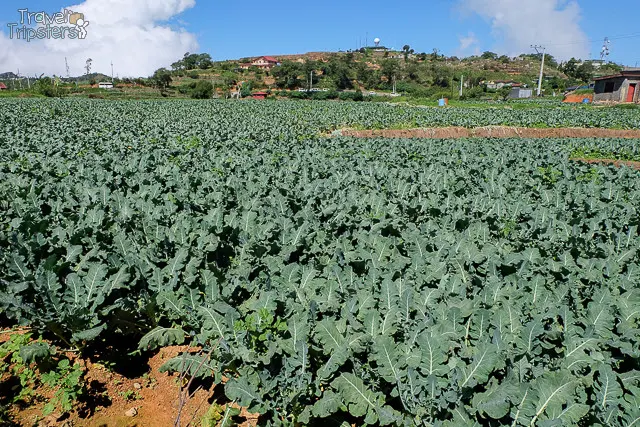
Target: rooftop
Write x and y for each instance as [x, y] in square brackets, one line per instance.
[625, 73]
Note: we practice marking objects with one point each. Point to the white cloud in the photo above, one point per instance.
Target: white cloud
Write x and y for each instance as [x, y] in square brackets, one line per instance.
[518, 24]
[134, 35]
[468, 42]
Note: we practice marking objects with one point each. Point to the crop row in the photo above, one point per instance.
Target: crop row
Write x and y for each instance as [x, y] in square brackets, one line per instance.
[284, 120]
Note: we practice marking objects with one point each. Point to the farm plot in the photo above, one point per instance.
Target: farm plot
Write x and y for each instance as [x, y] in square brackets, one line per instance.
[367, 281]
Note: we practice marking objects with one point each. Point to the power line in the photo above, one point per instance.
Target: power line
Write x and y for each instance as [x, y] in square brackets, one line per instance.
[620, 37]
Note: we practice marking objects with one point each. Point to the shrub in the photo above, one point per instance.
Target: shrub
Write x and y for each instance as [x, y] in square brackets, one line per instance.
[297, 95]
[203, 90]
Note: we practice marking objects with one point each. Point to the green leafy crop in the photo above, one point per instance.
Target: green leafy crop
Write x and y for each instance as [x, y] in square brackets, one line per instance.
[382, 282]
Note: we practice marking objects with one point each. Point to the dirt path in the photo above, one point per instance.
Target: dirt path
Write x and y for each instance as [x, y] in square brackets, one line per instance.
[492, 132]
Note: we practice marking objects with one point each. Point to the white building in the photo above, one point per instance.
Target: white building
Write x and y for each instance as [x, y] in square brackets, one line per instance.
[105, 85]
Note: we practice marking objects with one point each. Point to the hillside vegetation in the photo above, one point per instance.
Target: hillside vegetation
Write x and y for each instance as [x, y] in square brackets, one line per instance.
[334, 75]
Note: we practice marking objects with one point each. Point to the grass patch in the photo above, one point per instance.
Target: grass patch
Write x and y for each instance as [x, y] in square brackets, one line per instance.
[597, 154]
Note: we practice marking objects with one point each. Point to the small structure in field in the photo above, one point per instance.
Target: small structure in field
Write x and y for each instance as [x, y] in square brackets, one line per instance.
[105, 85]
[3, 86]
[621, 87]
[520, 93]
[259, 95]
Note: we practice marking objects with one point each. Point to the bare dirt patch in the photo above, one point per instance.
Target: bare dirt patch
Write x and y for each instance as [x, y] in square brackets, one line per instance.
[492, 132]
[149, 398]
[574, 98]
[616, 163]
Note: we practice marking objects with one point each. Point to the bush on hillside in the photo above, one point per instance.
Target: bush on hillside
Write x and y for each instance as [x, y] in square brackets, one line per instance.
[203, 90]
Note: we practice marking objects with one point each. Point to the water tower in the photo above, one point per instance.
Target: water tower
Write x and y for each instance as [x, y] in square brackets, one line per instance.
[376, 41]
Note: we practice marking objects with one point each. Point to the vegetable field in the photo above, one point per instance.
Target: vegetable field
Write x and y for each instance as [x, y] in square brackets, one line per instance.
[330, 281]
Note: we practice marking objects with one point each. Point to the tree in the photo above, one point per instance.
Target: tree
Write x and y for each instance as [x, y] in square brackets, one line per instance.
[550, 61]
[570, 67]
[203, 90]
[287, 75]
[44, 86]
[412, 69]
[406, 50]
[585, 72]
[228, 79]
[339, 72]
[204, 61]
[504, 93]
[245, 91]
[191, 61]
[366, 76]
[389, 68]
[161, 79]
[489, 55]
[177, 66]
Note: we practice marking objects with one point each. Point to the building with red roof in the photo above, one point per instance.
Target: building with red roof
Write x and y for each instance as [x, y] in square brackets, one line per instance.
[621, 87]
[3, 86]
[265, 62]
[259, 95]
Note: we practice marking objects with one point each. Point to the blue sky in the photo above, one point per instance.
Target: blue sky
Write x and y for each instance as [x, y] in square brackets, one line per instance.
[292, 27]
[141, 35]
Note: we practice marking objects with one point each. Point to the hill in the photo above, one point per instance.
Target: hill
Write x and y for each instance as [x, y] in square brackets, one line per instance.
[413, 74]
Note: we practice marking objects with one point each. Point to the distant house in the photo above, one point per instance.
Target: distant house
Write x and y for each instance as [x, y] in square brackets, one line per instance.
[105, 85]
[499, 84]
[3, 86]
[265, 62]
[622, 87]
[259, 95]
[597, 63]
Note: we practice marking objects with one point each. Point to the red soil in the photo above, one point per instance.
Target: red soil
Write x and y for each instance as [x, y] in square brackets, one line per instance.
[577, 98]
[154, 396]
[616, 163]
[493, 132]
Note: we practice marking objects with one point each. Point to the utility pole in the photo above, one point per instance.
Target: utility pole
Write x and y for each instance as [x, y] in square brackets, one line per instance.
[461, 83]
[451, 87]
[311, 81]
[604, 53]
[394, 84]
[111, 71]
[544, 52]
[87, 66]
[66, 64]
